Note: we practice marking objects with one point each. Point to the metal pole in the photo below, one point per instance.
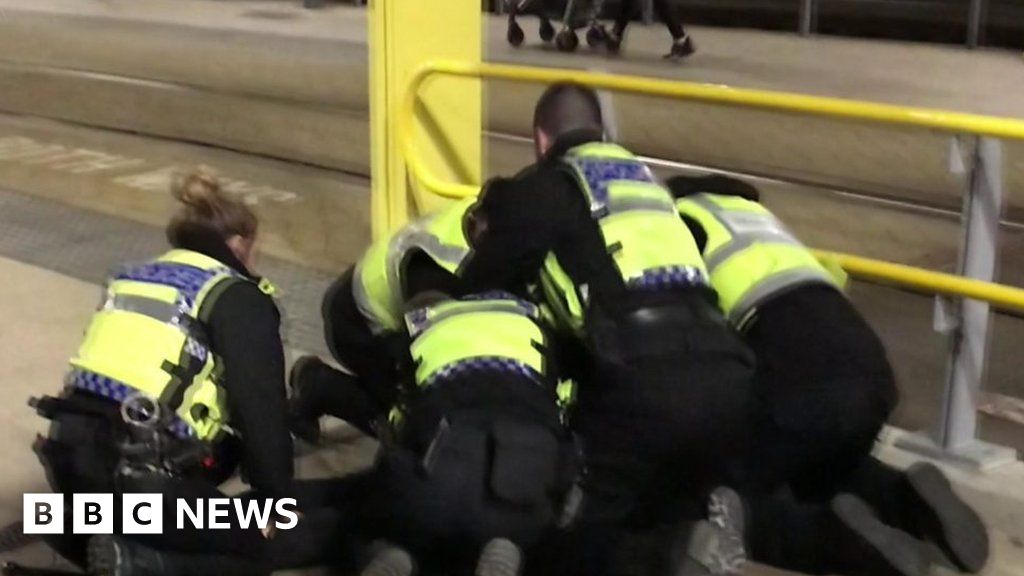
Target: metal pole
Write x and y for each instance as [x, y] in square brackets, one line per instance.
[807, 17]
[975, 20]
[648, 13]
[979, 255]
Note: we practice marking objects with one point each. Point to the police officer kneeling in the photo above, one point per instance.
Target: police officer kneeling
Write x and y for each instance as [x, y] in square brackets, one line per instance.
[181, 377]
[824, 388]
[477, 449]
[666, 397]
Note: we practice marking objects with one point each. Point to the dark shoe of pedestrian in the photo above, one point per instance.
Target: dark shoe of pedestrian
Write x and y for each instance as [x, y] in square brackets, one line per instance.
[944, 518]
[500, 557]
[876, 549]
[303, 413]
[681, 48]
[715, 546]
[115, 556]
[547, 31]
[613, 42]
[389, 560]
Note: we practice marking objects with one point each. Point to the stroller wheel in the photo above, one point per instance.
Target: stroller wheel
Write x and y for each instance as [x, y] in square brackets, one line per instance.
[567, 41]
[547, 31]
[515, 34]
[596, 36]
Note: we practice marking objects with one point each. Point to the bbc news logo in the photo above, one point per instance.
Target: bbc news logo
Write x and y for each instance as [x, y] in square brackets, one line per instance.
[144, 513]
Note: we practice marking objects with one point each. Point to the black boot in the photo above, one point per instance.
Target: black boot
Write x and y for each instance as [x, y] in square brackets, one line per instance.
[922, 502]
[115, 556]
[303, 408]
[940, 516]
[613, 41]
[319, 389]
[681, 48]
[872, 548]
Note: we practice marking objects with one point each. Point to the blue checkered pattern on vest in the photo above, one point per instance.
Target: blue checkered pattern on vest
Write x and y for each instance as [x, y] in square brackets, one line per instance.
[668, 277]
[117, 391]
[599, 174]
[484, 364]
[491, 295]
[196, 349]
[188, 280]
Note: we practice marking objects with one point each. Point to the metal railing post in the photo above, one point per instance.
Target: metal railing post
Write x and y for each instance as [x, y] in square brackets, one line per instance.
[979, 254]
[975, 21]
[808, 17]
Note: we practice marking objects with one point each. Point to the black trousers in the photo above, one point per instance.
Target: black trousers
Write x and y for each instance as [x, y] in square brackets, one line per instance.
[824, 388]
[80, 456]
[370, 390]
[663, 10]
[659, 432]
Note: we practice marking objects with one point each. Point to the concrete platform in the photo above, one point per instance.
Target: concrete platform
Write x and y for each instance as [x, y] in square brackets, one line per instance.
[38, 340]
[101, 100]
[314, 225]
[278, 80]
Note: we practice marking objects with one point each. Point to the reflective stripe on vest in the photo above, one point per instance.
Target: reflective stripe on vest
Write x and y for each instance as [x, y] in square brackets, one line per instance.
[147, 338]
[490, 333]
[750, 253]
[652, 249]
[378, 278]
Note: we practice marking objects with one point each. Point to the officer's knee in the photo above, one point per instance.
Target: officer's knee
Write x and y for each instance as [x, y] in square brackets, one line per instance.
[843, 410]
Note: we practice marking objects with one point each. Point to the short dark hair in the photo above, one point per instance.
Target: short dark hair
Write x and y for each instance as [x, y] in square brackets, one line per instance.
[567, 107]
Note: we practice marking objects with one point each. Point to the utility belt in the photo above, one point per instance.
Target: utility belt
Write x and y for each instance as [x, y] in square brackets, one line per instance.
[672, 329]
[524, 465]
[143, 449]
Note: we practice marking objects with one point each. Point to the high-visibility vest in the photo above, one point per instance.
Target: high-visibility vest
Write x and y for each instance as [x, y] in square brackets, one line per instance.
[751, 255]
[148, 338]
[651, 247]
[378, 279]
[488, 332]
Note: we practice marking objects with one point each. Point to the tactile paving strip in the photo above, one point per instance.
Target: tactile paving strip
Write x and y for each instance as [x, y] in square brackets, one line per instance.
[87, 245]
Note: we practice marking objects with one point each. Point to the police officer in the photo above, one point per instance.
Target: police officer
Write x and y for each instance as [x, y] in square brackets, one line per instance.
[179, 378]
[363, 321]
[824, 388]
[478, 443]
[477, 449]
[666, 397]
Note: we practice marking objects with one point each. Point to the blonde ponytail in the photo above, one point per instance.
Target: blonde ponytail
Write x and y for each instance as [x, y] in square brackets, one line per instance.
[204, 205]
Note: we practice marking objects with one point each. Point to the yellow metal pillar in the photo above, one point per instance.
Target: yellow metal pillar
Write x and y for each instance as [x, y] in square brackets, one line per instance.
[404, 35]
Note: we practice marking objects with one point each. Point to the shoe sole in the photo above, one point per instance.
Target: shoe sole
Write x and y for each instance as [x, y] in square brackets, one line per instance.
[963, 534]
[103, 557]
[725, 511]
[900, 550]
[499, 557]
[390, 561]
[314, 436]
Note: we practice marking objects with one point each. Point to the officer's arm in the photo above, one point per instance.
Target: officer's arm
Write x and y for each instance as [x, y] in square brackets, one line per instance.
[512, 228]
[245, 333]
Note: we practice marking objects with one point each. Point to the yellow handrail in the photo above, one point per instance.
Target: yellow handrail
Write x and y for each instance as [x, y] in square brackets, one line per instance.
[929, 281]
[908, 277]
